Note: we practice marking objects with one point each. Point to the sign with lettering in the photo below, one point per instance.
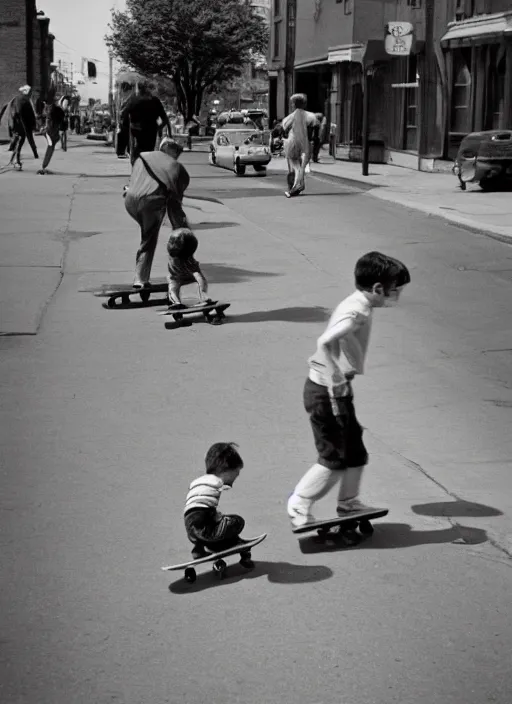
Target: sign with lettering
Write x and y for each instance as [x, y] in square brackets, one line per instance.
[399, 36]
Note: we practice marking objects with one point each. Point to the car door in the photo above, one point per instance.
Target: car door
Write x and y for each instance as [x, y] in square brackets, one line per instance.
[224, 151]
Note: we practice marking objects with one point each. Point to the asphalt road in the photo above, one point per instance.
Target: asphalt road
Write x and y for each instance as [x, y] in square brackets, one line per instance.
[106, 416]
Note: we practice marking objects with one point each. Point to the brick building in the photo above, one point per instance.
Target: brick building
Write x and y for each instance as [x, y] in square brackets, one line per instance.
[456, 79]
[26, 49]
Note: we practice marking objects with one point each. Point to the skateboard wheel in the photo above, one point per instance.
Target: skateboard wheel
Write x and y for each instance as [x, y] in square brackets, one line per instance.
[111, 303]
[366, 528]
[125, 299]
[190, 575]
[349, 538]
[144, 296]
[246, 561]
[219, 567]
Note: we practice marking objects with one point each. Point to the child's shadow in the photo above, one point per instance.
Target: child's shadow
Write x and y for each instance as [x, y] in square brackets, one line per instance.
[390, 536]
[276, 572]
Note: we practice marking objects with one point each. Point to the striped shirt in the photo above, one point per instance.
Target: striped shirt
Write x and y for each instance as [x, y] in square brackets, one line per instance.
[204, 492]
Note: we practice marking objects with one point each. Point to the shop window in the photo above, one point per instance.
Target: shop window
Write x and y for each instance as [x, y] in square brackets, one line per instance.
[461, 119]
[404, 115]
[495, 99]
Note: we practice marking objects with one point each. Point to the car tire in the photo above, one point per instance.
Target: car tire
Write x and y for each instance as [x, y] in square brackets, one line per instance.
[211, 159]
[260, 169]
[239, 169]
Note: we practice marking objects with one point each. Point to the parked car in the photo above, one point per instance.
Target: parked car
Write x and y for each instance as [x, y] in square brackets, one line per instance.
[236, 147]
[485, 158]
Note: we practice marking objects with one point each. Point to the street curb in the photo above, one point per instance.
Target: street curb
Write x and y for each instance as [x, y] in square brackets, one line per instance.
[390, 198]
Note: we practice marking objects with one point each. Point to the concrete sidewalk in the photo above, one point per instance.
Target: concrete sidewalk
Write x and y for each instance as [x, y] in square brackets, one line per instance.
[432, 193]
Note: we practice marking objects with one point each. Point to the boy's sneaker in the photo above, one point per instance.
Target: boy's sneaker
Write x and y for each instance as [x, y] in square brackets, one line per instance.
[198, 552]
[349, 506]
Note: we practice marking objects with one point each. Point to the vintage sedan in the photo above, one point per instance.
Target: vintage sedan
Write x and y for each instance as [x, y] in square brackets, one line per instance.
[236, 147]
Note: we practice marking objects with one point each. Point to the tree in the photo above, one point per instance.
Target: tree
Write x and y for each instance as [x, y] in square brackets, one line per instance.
[199, 44]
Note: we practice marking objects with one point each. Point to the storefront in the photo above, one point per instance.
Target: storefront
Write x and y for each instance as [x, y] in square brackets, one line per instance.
[478, 54]
[346, 95]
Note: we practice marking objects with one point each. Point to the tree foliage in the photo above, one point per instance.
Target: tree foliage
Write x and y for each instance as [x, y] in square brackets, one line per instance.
[199, 44]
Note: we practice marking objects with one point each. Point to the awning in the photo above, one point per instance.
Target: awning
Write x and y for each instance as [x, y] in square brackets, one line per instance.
[311, 63]
[480, 27]
[352, 52]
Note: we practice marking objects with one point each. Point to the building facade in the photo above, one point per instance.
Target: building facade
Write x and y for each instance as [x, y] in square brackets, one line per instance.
[26, 49]
[456, 78]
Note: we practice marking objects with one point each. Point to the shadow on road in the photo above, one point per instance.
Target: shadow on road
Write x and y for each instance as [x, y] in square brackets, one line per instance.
[213, 225]
[458, 508]
[224, 274]
[276, 572]
[390, 536]
[297, 314]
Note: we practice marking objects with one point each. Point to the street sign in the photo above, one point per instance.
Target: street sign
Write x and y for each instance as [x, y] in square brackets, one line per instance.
[399, 36]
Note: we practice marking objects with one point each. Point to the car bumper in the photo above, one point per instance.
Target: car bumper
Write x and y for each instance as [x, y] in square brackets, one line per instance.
[250, 159]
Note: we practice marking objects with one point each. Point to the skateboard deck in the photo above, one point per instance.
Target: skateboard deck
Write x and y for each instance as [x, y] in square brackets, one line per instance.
[212, 312]
[125, 293]
[219, 566]
[348, 525]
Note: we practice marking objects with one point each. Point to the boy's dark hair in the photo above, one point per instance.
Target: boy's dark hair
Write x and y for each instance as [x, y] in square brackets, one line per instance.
[222, 456]
[299, 101]
[182, 243]
[376, 268]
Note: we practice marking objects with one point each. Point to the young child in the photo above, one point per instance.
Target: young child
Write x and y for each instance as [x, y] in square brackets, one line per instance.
[328, 398]
[182, 267]
[206, 527]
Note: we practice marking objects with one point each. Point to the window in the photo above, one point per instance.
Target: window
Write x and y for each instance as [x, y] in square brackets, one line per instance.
[277, 42]
[495, 89]
[461, 92]
[277, 9]
[415, 4]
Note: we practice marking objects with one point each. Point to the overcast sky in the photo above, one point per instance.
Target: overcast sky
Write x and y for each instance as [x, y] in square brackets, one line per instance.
[79, 28]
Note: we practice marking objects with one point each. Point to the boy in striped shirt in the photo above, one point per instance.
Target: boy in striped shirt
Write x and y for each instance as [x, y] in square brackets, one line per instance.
[207, 528]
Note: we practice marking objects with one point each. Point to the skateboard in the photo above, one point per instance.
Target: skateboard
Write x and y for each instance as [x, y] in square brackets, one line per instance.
[212, 311]
[124, 295]
[219, 565]
[351, 528]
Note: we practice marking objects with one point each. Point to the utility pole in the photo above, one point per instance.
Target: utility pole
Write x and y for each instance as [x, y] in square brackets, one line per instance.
[110, 82]
[367, 75]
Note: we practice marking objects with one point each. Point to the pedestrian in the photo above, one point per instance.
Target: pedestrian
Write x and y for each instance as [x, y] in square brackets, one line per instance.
[206, 527]
[317, 140]
[297, 128]
[22, 117]
[55, 119]
[141, 118]
[192, 129]
[157, 185]
[182, 267]
[328, 397]
[64, 103]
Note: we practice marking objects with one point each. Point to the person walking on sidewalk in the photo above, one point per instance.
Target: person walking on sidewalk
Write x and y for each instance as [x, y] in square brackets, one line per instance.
[157, 185]
[23, 123]
[298, 128]
[141, 118]
[55, 119]
[328, 397]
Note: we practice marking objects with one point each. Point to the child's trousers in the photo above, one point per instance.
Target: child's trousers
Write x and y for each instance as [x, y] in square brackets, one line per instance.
[216, 532]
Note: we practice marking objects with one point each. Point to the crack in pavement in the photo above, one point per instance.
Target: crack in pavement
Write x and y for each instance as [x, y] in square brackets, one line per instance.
[460, 528]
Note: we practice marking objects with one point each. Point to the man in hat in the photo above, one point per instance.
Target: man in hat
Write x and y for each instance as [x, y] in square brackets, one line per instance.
[23, 122]
[142, 117]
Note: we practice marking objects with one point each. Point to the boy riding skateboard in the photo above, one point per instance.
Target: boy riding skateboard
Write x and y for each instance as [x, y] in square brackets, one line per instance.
[206, 527]
[328, 397]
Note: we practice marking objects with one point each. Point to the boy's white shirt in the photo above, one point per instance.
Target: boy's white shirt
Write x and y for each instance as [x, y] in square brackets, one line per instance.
[205, 492]
[341, 349]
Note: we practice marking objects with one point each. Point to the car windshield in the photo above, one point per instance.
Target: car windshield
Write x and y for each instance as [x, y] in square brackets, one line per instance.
[238, 138]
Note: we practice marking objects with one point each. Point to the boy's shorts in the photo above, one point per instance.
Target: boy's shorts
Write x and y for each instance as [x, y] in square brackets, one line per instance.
[338, 440]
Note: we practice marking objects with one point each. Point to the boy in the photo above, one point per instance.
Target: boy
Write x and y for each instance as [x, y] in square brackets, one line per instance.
[328, 398]
[182, 267]
[206, 527]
